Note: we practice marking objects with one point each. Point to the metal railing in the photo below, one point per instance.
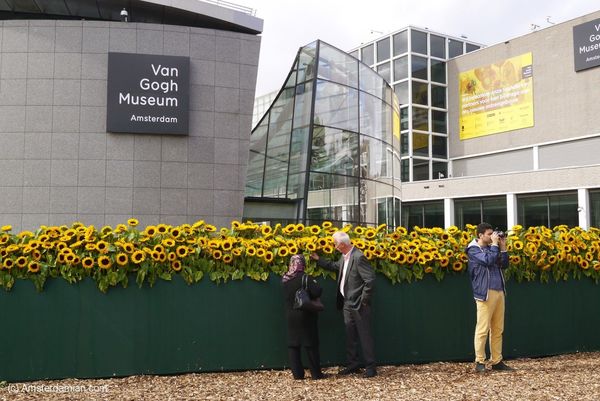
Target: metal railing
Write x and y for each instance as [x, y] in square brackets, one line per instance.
[232, 6]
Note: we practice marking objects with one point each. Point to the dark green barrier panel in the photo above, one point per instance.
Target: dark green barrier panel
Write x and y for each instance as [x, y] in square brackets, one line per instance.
[76, 331]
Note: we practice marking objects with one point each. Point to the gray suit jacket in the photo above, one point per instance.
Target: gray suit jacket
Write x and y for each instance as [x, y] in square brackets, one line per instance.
[360, 279]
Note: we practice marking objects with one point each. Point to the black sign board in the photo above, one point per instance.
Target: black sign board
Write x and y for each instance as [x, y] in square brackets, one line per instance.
[148, 94]
[586, 45]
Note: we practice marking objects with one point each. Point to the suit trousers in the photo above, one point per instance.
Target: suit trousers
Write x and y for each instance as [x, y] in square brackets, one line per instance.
[358, 328]
[314, 362]
[490, 322]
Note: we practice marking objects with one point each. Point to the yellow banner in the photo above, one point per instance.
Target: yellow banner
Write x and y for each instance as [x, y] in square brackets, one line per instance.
[496, 98]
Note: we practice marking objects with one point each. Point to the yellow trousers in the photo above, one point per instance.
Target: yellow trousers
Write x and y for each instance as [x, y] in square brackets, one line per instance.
[490, 322]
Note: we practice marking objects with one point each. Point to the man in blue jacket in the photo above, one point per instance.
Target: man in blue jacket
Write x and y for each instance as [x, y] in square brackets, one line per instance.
[487, 257]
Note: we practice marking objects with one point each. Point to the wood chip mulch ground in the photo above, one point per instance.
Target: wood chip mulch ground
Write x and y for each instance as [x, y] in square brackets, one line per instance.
[566, 377]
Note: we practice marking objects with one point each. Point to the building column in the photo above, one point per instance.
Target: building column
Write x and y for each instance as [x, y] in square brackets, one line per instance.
[511, 211]
[583, 208]
[448, 212]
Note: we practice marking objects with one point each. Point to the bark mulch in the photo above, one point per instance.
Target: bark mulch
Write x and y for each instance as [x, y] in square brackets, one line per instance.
[565, 377]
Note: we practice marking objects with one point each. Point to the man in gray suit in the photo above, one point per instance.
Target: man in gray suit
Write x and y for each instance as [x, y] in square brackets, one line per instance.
[355, 282]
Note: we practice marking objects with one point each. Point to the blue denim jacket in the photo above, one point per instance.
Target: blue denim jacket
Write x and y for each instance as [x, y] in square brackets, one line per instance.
[481, 259]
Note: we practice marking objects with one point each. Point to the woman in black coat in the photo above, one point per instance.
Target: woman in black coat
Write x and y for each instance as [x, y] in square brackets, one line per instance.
[302, 325]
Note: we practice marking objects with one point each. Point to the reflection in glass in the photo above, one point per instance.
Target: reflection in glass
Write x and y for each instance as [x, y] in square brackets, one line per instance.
[371, 82]
[418, 42]
[533, 210]
[595, 208]
[375, 119]
[336, 106]
[420, 170]
[455, 48]
[337, 66]
[336, 196]
[439, 147]
[419, 92]
[434, 214]
[383, 49]
[302, 104]
[438, 71]
[404, 144]
[334, 151]
[494, 212]
[384, 71]
[401, 68]
[404, 118]
[368, 56]
[376, 158]
[404, 171]
[438, 118]
[420, 119]
[400, 43]
[439, 170]
[563, 210]
[471, 47]
[306, 62]
[438, 96]
[419, 67]
[299, 149]
[437, 46]
[256, 160]
[401, 91]
[420, 144]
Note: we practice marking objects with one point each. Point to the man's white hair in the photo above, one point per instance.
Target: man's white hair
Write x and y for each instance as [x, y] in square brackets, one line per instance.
[341, 237]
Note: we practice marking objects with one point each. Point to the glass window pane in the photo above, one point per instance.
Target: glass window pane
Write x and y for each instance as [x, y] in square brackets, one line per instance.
[306, 69]
[299, 150]
[418, 42]
[420, 170]
[439, 148]
[494, 212]
[434, 214]
[354, 54]
[302, 106]
[533, 211]
[400, 43]
[412, 215]
[467, 211]
[419, 92]
[337, 66]
[337, 194]
[420, 119]
[375, 158]
[401, 91]
[404, 170]
[563, 210]
[384, 71]
[438, 118]
[368, 56]
[437, 46]
[401, 68]
[383, 49]
[404, 120]
[404, 144]
[371, 82]
[420, 144]
[419, 67]
[455, 48]
[439, 170]
[375, 117]
[256, 160]
[595, 208]
[471, 47]
[334, 151]
[336, 106]
[438, 71]
[438, 96]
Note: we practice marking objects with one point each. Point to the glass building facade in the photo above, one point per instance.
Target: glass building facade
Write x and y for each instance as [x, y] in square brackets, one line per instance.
[414, 61]
[329, 146]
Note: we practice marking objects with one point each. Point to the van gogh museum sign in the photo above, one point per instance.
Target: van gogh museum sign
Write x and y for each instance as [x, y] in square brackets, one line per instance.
[586, 45]
[147, 94]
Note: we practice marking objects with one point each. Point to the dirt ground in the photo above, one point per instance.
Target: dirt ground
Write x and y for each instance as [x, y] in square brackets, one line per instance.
[566, 377]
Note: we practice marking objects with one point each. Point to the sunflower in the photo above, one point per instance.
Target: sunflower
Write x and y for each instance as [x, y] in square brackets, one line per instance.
[155, 256]
[122, 259]
[172, 256]
[182, 251]
[21, 262]
[88, 262]
[162, 256]
[102, 247]
[36, 255]
[584, 264]
[217, 254]
[227, 258]
[268, 256]
[150, 231]
[428, 269]
[159, 248]
[328, 249]
[176, 232]
[8, 263]
[6, 228]
[250, 251]
[132, 222]
[33, 267]
[162, 228]
[457, 266]
[283, 251]
[138, 257]
[176, 265]
[266, 230]
[104, 262]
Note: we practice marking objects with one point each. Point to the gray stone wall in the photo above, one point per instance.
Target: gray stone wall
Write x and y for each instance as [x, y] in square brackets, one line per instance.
[57, 162]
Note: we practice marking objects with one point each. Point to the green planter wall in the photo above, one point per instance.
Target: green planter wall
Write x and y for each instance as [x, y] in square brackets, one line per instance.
[77, 331]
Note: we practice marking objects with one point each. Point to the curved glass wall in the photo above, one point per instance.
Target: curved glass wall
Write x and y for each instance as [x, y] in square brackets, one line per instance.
[330, 143]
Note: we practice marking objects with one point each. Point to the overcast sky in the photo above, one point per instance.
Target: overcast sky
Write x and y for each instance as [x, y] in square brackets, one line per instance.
[288, 25]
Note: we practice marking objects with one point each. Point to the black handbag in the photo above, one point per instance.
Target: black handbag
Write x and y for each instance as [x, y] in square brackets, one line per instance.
[302, 300]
